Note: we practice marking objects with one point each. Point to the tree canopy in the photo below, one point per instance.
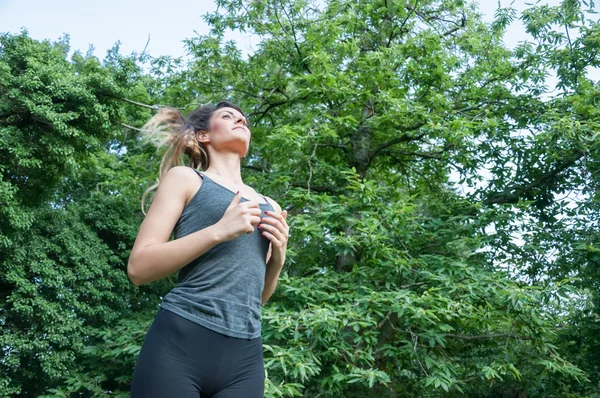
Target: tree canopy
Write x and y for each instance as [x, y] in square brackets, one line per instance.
[369, 118]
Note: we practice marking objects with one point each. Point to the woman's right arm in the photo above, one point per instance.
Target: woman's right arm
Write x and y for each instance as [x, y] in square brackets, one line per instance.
[153, 256]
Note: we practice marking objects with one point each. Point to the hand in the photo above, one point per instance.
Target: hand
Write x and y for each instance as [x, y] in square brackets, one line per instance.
[275, 228]
[239, 218]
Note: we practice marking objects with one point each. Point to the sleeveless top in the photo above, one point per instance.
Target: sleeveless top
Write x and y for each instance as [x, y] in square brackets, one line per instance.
[222, 289]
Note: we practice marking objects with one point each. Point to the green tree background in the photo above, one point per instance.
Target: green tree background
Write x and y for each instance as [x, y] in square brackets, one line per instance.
[367, 118]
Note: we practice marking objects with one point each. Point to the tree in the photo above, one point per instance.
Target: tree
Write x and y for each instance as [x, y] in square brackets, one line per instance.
[397, 284]
[402, 94]
[66, 222]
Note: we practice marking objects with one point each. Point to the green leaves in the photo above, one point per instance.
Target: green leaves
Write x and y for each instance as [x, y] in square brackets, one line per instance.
[365, 116]
[64, 244]
[51, 118]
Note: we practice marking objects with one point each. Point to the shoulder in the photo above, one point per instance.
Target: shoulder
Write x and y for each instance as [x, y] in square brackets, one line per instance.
[274, 204]
[181, 179]
[182, 172]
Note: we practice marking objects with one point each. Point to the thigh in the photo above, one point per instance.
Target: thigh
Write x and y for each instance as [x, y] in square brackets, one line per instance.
[161, 370]
[244, 376]
[254, 388]
[251, 385]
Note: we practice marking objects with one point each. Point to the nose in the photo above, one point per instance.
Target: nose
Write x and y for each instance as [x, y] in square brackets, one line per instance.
[241, 120]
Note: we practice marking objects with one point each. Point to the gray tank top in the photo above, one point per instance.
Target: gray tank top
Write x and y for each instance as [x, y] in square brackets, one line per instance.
[222, 289]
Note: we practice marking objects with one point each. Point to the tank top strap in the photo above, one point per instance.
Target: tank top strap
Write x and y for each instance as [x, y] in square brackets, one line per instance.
[200, 174]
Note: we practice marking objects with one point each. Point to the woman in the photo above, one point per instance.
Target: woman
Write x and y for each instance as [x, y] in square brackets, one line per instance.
[229, 247]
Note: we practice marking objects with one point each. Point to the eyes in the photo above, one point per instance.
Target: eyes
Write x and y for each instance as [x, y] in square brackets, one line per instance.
[229, 116]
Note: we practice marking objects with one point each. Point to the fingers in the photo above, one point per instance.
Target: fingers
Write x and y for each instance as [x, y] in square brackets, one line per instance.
[251, 204]
[252, 215]
[253, 222]
[276, 237]
[236, 200]
[249, 211]
[254, 219]
[276, 219]
[275, 227]
[277, 216]
[248, 203]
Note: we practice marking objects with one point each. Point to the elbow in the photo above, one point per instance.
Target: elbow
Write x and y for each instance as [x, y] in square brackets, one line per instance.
[133, 274]
[263, 299]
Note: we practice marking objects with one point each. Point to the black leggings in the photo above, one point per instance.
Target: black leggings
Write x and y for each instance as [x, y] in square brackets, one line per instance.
[182, 359]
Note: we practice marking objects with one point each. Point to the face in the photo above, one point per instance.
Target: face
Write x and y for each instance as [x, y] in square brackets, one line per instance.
[228, 131]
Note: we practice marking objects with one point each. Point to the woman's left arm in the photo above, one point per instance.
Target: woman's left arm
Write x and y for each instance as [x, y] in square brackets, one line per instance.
[275, 228]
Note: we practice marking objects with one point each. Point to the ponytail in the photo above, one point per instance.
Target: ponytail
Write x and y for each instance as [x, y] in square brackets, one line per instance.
[170, 128]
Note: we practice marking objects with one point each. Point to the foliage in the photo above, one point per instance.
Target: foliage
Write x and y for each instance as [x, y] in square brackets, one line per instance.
[367, 119]
[67, 219]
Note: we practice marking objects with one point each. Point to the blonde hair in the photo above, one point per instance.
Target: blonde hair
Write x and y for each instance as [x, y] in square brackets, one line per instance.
[170, 128]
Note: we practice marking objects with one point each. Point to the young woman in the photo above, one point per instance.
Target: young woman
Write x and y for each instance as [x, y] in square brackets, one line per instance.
[229, 247]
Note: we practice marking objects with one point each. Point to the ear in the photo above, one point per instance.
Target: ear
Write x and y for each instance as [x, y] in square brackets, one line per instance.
[202, 136]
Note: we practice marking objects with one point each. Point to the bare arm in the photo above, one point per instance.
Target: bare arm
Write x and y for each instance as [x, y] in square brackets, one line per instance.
[154, 257]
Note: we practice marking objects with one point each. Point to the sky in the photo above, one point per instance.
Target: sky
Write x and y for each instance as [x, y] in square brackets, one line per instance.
[103, 23]
[133, 22]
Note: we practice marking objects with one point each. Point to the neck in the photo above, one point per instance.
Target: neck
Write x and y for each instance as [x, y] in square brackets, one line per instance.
[227, 166]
